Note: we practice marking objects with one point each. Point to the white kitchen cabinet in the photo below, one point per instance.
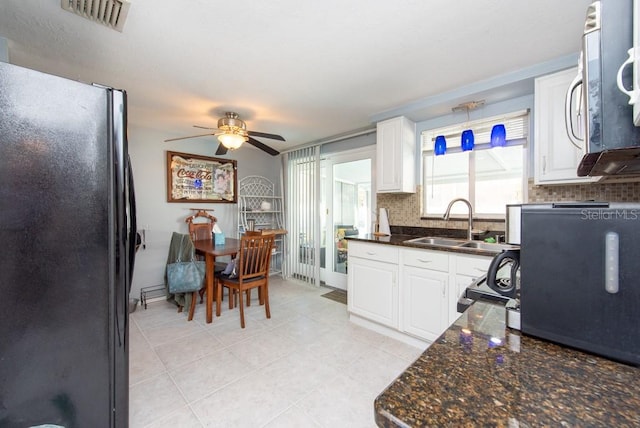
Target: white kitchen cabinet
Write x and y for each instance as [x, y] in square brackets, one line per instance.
[467, 268]
[556, 159]
[424, 290]
[372, 282]
[395, 156]
[406, 293]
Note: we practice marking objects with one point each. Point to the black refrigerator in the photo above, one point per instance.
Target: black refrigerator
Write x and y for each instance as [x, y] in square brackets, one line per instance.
[67, 247]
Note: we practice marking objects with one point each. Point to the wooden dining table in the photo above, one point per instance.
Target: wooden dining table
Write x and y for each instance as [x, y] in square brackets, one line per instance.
[211, 251]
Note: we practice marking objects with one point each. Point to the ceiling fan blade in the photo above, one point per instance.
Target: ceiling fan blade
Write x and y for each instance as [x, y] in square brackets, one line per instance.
[222, 150]
[262, 146]
[191, 136]
[265, 135]
[206, 127]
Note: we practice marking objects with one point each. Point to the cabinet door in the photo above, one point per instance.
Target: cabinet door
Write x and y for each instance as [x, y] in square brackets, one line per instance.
[424, 298]
[373, 291]
[395, 155]
[556, 158]
[468, 268]
[389, 155]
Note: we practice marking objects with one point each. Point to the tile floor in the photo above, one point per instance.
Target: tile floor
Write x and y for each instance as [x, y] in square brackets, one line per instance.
[307, 366]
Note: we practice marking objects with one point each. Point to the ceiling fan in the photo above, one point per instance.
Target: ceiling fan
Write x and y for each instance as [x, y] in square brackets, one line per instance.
[232, 132]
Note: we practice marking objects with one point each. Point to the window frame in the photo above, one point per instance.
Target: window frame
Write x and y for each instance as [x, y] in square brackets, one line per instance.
[452, 134]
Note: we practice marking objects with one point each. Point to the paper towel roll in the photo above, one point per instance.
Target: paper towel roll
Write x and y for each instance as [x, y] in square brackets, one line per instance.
[383, 221]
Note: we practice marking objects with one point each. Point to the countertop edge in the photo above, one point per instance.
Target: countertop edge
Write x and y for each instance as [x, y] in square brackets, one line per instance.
[401, 241]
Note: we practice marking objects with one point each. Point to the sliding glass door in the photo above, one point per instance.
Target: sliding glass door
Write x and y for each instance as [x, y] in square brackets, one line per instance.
[346, 208]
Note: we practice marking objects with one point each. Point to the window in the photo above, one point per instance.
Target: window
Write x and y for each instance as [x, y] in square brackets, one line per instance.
[489, 177]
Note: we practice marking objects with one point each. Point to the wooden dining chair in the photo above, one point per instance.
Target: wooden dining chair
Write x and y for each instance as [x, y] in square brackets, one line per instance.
[252, 271]
[202, 229]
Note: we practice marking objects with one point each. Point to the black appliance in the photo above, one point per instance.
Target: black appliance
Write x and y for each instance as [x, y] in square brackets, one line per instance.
[506, 285]
[611, 141]
[67, 228]
[579, 276]
[480, 289]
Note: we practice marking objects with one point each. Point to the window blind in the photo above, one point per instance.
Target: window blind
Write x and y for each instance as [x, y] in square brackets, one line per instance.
[516, 125]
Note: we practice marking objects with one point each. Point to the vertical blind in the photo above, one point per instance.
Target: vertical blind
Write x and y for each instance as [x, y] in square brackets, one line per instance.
[302, 202]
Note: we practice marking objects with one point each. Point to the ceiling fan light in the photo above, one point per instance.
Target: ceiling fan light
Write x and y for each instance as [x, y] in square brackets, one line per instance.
[231, 141]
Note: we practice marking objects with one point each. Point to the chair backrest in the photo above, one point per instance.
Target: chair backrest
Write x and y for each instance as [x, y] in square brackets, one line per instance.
[254, 257]
[201, 230]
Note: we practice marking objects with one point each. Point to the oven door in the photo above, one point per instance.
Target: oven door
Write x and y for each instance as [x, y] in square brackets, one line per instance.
[479, 290]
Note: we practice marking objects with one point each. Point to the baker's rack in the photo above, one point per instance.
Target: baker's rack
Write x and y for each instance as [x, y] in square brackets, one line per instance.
[257, 201]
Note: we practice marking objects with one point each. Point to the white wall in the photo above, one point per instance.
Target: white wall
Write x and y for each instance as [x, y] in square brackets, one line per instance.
[161, 218]
[4, 50]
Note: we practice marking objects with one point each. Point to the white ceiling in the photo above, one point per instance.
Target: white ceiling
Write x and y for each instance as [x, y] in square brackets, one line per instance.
[307, 70]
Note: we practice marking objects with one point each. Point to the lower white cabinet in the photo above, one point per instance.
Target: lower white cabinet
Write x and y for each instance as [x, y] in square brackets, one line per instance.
[424, 298]
[372, 283]
[467, 268]
[411, 292]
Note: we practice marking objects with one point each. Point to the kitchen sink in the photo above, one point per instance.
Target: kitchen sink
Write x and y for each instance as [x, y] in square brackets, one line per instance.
[460, 243]
[443, 242]
[488, 246]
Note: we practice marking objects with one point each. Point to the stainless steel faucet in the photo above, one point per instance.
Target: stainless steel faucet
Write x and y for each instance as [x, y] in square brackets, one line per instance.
[448, 212]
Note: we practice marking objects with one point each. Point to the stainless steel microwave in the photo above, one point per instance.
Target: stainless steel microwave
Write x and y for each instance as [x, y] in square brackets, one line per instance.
[611, 141]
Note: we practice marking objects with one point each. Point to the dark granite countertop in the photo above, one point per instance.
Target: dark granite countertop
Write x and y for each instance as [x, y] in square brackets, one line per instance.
[401, 240]
[480, 373]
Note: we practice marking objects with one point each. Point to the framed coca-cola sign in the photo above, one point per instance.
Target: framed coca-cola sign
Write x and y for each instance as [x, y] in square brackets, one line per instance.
[195, 178]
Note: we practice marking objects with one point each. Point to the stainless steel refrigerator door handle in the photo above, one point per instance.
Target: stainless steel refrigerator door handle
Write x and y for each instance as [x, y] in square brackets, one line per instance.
[611, 262]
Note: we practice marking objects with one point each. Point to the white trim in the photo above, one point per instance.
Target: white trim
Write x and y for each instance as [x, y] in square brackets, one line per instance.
[334, 139]
[390, 332]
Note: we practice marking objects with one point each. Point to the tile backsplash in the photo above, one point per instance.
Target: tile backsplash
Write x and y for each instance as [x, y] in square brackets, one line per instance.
[611, 192]
[405, 209]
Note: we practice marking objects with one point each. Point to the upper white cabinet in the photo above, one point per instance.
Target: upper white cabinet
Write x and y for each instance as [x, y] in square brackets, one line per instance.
[395, 156]
[556, 159]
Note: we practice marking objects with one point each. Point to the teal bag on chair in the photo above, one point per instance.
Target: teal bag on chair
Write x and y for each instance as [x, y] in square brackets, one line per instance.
[185, 277]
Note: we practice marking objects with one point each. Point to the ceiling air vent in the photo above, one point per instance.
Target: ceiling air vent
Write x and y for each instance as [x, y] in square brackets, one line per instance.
[111, 13]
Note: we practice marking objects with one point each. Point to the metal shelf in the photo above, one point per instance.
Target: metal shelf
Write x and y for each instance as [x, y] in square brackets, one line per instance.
[253, 192]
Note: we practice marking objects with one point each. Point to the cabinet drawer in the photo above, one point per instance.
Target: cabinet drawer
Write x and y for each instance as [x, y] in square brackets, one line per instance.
[379, 252]
[433, 260]
[473, 266]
